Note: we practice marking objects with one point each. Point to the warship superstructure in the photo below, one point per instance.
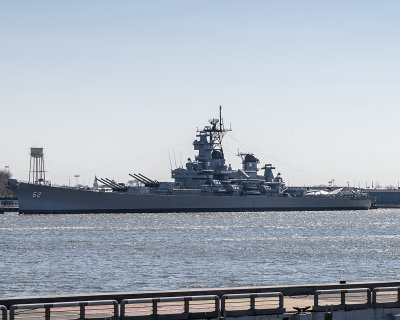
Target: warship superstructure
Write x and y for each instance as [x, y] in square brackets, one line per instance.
[205, 184]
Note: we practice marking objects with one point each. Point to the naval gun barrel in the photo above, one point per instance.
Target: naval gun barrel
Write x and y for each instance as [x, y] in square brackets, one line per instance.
[142, 180]
[105, 183]
[138, 178]
[108, 184]
[116, 185]
[112, 182]
[145, 178]
[146, 181]
[154, 183]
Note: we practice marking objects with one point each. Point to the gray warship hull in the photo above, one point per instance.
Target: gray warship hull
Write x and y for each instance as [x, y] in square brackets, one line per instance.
[204, 184]
[38, 199]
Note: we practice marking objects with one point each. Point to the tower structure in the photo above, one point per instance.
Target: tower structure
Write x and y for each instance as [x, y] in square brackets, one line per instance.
[209, 163]
[36, 167]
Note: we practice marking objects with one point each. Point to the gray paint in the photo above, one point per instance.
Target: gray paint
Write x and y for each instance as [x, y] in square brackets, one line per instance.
[47, 199]
[206, 184]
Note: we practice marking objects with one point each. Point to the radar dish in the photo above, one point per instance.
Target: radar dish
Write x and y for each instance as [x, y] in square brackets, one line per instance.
[213, 121]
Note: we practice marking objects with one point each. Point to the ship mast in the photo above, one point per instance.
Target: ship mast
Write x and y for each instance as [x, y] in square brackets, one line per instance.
[217, 133]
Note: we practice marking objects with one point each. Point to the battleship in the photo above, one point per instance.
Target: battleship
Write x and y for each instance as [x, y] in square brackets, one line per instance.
[205, 184]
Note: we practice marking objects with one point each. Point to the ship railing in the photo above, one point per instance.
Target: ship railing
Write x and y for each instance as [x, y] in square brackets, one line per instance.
[3, 312]
[168, 308]
[342, 299]
[49, 184]
[43, 183]
[252, 304]
[100, 309]
[186, 191]
[386, 297]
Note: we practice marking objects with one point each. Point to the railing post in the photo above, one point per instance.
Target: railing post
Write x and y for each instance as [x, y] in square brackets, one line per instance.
[155, 306]
[223, 307]
[374, 296]
[3, 312]
[12, 310]
[368, 296]
[47, 312]
[280, 300]
[252, 302]
[116, 311]
[218, 305]
[398, 294]
[343, 297]
[186, 301]
[316, 299]
[82, 311]
[122, 310]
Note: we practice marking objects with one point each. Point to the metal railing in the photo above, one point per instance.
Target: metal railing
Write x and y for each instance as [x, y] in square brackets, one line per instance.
[386, 297]
[66, 310]
[251, 304]
[342, 299]
[3, 313]
[196, 307]
[202, 307]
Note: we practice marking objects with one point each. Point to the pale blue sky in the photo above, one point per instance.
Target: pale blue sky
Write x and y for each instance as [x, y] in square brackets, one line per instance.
[108, 87]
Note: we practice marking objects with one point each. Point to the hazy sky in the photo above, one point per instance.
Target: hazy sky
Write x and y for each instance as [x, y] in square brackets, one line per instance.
[110, 87]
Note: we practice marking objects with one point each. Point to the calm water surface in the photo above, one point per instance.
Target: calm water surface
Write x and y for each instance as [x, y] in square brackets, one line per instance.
[65, 254]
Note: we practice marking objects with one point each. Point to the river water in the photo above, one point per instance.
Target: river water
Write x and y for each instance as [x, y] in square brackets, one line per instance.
[68, 254]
